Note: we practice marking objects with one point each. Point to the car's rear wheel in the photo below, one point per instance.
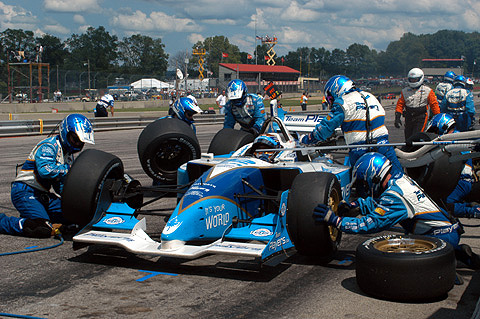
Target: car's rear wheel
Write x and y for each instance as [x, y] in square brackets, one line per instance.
[228, 140]
[405, 268]
[164, 145]
[84, 183]
[310, 238]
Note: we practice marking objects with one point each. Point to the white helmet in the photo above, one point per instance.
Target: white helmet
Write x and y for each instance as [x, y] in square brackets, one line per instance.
[415, 78]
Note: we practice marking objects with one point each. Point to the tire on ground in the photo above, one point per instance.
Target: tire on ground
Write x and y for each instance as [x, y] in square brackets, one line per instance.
[311, 238]
[81, 195]
[438, 178]
[164, 145]
[405, 268]
[228, 140]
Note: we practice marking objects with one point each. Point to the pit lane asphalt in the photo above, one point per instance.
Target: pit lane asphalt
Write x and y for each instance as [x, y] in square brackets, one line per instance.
[105, 282]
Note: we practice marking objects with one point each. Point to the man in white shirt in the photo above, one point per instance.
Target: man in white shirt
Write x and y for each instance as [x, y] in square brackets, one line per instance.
[221, 100]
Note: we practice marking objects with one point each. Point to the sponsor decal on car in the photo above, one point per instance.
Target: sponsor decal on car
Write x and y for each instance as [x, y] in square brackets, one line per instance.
[114, 220]
[261, 232]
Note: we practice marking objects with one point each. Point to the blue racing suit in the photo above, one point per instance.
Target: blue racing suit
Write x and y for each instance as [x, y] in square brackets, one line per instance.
[45, 168]
[404, 202]
[458, 102]
[250, 116]
[461, 208]
[441, 89]
[349, 113]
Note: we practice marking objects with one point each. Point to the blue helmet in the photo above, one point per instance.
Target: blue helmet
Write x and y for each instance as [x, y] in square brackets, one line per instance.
[440, 124]
[265, 141]
[237, 92]
[371, 168]
[336, 86]
[459, 81]
[185, 108]
[449, 76]
[75, 131]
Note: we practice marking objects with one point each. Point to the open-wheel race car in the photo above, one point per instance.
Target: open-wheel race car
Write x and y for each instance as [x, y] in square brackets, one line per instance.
[232, 201]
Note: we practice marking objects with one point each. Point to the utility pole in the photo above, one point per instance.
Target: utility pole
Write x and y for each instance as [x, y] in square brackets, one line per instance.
[89, 88]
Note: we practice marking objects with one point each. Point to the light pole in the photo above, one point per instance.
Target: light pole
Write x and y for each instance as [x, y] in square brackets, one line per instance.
[65, 83]
[80, 80]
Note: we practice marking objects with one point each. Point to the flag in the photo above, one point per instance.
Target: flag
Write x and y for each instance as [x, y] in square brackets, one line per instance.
[283, 60]
[267, 57]
[224, 55]
[258, 37]
[249, 56]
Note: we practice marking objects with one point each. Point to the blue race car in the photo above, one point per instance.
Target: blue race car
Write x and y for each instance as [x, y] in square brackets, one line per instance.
[243, 203]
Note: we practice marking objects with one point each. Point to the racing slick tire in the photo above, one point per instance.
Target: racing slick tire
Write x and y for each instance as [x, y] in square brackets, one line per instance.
[81, 195]
[163, 146]
[439, 178]
[310, 238]
[405, 268]
[229, 140]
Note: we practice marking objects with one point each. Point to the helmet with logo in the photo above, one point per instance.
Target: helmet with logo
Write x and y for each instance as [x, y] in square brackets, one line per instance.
[440, 124]
[266, 141]
[415, 78]
[469, 84]
[336, 86]
[75, 131]
[449, 76]
[460, 81]
[184, 108]
[237, 92]
[371, 168]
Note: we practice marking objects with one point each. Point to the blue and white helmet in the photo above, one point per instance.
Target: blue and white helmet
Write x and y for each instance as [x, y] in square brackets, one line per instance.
[185, 108]
[75, 131]
[459, 81]
[237, 92]
[336, 86]
[440, 124]
[266, 141]
[449, 76]
[371, 168]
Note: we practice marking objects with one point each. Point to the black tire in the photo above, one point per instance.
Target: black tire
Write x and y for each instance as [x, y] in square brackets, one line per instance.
[164, 145]
[84, 183]
[438, 178]
[405, 268]
[311, 238]
[228, 140]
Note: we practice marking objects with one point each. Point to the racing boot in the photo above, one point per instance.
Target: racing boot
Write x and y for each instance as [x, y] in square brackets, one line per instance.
[40, 228]
[465, 254]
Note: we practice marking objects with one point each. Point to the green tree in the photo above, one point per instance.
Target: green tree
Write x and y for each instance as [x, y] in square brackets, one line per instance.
[214, 47]
[143, 55]
[14, 40]
[54, 51]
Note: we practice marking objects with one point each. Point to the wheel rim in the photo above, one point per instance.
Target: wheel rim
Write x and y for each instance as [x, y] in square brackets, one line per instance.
[403, 245]
[333, 201]
[170, 154]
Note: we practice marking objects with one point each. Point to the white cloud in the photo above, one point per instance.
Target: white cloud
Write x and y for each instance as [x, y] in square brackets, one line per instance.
[290, 35]
[83, 28]
[56, 28]
[79, 19]
[219, 21]
[195, 37]
[15, 17]
[295, 13]
[156, 21]
[258, 21]
[71, 5]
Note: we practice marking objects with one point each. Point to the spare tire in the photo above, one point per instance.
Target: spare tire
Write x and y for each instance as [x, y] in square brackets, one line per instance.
[438, 178]
[405, 268]
[84, 183]
[228, 140]
[164, 145]
[310, 238]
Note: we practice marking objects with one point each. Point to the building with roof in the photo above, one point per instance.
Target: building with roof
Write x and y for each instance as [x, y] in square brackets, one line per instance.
[257, 76]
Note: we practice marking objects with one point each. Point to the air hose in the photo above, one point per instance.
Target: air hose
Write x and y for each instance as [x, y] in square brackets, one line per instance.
[59, 236]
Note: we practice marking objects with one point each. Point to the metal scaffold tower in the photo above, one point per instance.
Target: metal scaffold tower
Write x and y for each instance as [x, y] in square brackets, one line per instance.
[28, 77]
[201, 53]
[270, 42]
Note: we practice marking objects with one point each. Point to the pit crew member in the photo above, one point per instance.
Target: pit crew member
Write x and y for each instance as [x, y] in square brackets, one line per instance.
[106, 102]
[444, 86]
[458, 102]
[398, 199]
[243, 108]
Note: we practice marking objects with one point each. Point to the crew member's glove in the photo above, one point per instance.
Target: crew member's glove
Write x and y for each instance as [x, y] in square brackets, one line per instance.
[473, 212]
[40, 228]
[307, 139]
[398, 121]
[323, 213]
[348, 209]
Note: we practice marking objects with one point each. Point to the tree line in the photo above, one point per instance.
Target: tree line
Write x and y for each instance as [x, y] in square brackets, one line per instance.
[140, 54]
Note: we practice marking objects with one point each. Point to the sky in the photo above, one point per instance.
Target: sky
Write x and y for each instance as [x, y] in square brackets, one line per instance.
[181, 23]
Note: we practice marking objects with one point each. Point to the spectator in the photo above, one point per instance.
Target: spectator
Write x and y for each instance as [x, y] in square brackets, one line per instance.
[414, 104]
[243, 108]
[221, 101]
[46, 167]
[106, 102]
[303, 101]
[395, 198]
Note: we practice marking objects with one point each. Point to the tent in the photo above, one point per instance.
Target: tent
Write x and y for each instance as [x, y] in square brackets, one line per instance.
[145, 84]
